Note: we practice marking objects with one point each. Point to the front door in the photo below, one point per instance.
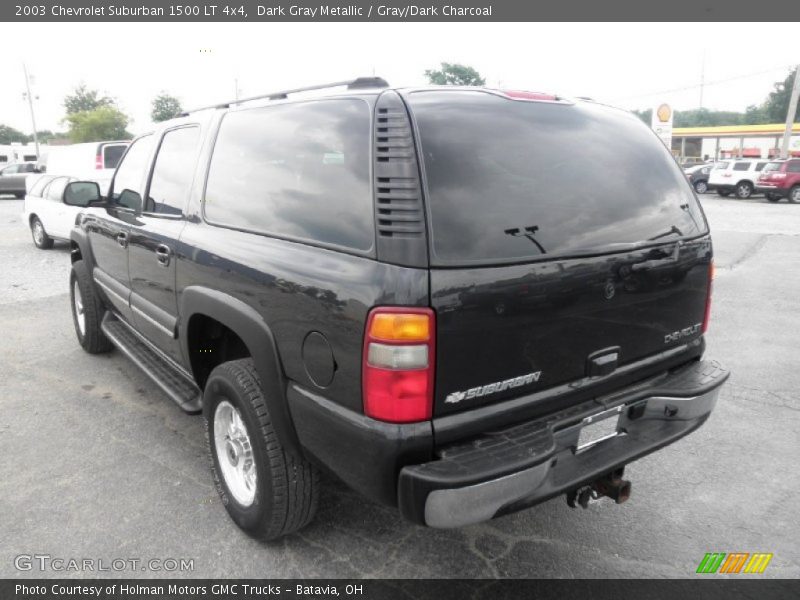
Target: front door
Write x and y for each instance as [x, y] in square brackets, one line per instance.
[154, 238]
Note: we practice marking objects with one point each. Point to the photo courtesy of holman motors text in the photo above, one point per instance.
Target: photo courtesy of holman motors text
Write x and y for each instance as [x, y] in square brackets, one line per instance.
[399, 300]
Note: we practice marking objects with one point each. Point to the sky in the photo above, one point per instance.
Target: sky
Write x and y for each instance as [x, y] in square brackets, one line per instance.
[632, 65]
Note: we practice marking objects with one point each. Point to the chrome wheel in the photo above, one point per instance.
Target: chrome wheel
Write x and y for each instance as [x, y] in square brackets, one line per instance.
[744, 190]
[38, 232]
[234, 453]
[77, 301]
[794, 195]
[701, 187]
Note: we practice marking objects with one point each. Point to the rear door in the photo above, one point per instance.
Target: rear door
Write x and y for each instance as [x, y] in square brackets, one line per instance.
[154, 238]
[565, 244]
[108, 228]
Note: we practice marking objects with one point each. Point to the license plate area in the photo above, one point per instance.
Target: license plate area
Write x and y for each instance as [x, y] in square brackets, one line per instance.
[598, 428]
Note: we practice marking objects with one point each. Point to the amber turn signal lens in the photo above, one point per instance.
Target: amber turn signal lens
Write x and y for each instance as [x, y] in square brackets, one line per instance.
[400, 327]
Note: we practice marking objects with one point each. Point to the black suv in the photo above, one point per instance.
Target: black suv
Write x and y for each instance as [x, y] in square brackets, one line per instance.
[438, 295]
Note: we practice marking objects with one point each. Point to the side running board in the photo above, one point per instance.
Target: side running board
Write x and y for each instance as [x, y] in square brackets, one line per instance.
[171, 378]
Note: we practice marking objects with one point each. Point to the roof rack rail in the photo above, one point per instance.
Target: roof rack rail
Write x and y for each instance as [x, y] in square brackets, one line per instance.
[351, 84]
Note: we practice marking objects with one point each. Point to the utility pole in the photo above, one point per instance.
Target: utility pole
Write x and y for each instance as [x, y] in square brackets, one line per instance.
[787, 134]
[30, 105]
[702, 78]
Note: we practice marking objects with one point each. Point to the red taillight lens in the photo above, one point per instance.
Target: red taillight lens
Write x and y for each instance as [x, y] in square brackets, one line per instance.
[707, 314]
[98, 161]
[398, 364]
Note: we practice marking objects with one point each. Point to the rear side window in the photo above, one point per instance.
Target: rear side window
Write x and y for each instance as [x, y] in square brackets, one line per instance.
[510, 180]
[760, 166]
[741, 166]
[793, 167]
[111, 155]
[299, 171]
[39, 186]
[127, 185]
[173, 171]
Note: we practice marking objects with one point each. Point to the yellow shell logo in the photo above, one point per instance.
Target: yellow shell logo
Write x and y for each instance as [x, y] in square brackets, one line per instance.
[664, 112]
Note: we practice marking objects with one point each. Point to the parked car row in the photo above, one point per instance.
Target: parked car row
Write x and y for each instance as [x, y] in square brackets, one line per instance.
[775, 179]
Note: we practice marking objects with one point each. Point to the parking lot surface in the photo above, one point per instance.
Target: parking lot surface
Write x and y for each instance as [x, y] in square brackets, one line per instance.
[97, 463]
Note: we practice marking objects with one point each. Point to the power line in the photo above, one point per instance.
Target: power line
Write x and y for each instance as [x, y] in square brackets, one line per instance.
[704, 84]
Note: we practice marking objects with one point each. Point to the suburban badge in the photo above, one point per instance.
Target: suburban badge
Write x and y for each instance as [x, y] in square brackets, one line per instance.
[493, 388]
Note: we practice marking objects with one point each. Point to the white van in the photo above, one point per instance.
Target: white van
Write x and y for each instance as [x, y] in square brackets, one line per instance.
[92, 161]
[736, 175]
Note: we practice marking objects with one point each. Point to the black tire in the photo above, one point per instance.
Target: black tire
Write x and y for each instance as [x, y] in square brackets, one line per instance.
[40, 238]
[701, 187]
[92, 339]
[19, 195]
[286, 488]
[794, 194]
[744, 189]
[724, 193]
[772, 197]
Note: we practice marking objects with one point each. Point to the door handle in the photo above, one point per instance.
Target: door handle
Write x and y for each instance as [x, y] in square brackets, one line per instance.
[122, 239]
[163, 254]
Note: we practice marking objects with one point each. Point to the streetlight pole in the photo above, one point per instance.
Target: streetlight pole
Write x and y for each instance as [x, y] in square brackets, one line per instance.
[787, 134]
[30, 105]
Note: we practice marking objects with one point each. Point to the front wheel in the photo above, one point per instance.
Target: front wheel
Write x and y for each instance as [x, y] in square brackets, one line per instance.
[794, 194]
[701, 187]
[267, 491]
[87, 311]
[744, 190]
[40, 238]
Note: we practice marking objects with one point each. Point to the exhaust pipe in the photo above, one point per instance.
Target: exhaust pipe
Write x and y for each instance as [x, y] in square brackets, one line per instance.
[611, 486]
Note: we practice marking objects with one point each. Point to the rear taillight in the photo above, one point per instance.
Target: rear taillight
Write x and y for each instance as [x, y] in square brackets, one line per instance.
[398, 364]
[707, 314]
[98, 161]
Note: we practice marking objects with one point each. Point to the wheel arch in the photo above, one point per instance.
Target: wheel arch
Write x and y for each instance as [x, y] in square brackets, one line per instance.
[249, 326]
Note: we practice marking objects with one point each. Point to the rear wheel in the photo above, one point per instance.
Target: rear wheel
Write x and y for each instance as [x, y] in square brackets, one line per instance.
[87, 311]
[794, 194]
[744, 189]
[701, 187]
[40, 238]
[724, 193]
[772, 197]
[267, 491]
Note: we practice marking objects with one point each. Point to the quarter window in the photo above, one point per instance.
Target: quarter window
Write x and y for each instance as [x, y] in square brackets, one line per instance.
[127, 184]
[299, 171]
[173, 171]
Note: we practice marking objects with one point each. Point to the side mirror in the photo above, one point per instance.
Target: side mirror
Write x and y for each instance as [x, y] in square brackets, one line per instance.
[82, 193]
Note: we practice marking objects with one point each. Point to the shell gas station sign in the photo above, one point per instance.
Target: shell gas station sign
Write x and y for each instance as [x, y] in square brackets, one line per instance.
[662, 123]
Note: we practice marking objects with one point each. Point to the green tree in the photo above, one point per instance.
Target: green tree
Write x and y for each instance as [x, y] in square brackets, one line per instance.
[165, 107]
[454, 74]
[84, 100]
[102, 123]
[755, 115]
[777, 104]
[9, 135]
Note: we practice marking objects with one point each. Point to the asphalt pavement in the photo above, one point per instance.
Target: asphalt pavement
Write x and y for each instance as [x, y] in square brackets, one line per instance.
[96, 463]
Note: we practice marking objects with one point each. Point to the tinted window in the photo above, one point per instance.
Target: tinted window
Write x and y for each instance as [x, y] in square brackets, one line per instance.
[55, 191]
[39, 185]
[127, 182]
[112, 154]
[760, 166]
[510, 180]
[773, 166]
[3, 157]
[793, 167]
[741, 166]
[29, 158]
[295, 170]
[173, 171]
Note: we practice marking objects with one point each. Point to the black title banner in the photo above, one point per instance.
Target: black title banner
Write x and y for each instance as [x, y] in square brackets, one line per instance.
[398, 10]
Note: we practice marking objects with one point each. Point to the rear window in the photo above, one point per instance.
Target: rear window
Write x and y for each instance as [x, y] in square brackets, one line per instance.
[512, 181]
[299, 171]
[112, 154]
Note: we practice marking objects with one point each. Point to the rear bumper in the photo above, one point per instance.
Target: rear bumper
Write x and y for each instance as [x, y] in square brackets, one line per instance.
[521, 466]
